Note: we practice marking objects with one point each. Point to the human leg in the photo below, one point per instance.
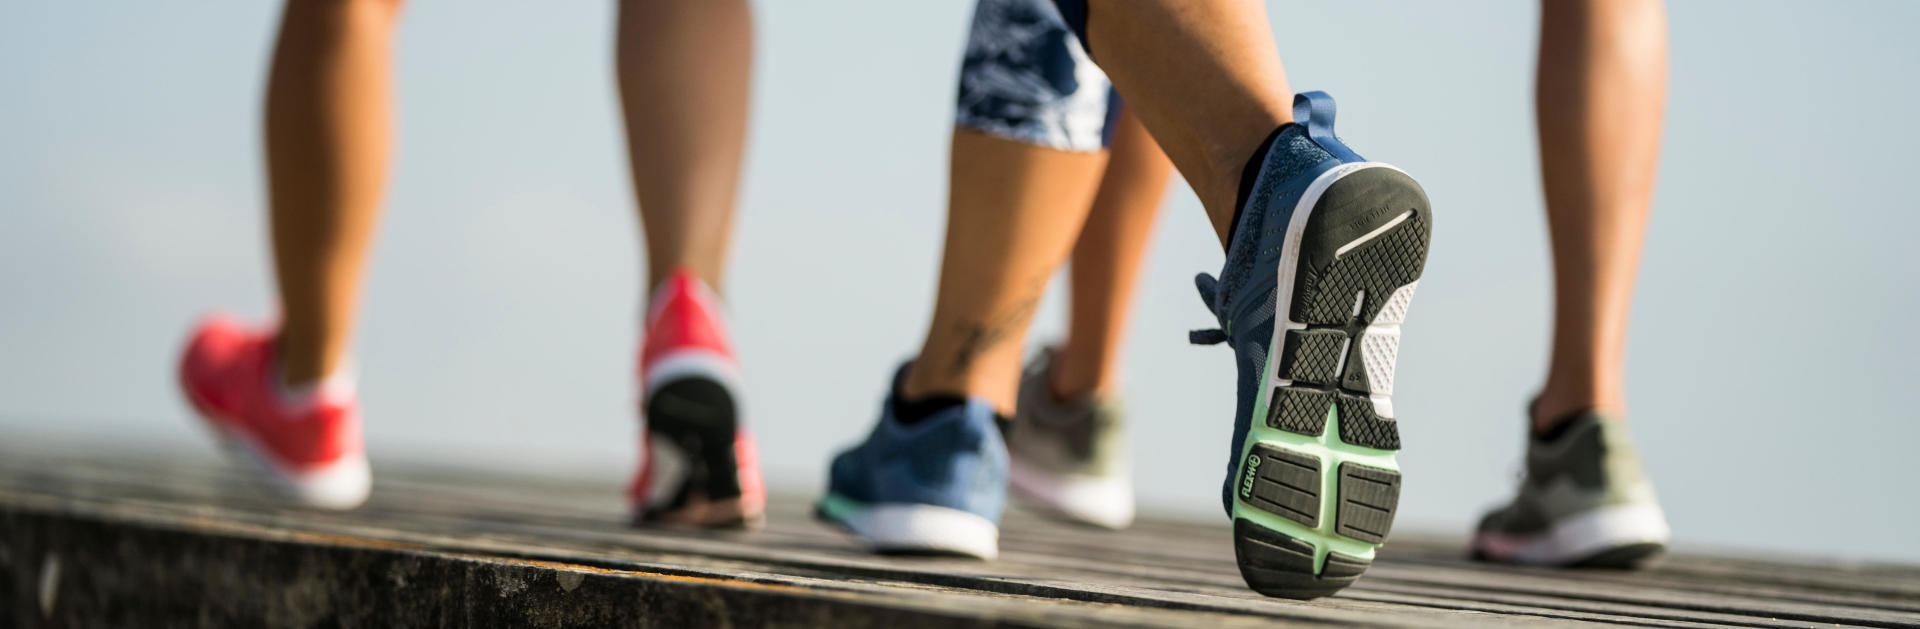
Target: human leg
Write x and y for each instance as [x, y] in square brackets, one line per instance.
[1585, 500]
[684, 67]
[1105, 263]
[1068, 434]
[1014, 210]
[684, 70]
[1324, 250]
[1600, 92]
[329, 134]
[282, 398]
[1025, 164]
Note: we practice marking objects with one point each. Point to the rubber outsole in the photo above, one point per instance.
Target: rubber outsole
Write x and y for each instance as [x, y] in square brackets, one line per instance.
[697, 416]
[1616, 536]
[1276, 564]
[1318, 486]
[1626, 557]
[911, 530]
[1100, 502]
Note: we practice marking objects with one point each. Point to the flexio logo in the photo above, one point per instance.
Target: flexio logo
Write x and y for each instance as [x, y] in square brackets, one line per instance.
[1252, 467]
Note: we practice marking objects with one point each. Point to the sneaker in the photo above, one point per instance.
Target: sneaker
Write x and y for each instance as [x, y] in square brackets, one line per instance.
[936, 486]
[1069, 456]
[1585, 501]
[1319, 273]
[307, 446]
[698, 466]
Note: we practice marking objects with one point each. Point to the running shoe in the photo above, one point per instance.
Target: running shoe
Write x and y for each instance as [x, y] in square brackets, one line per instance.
[936, 486]
[1319, 272]
[1069, 457]
[1585, 502]
[307, 447]
[698, 466]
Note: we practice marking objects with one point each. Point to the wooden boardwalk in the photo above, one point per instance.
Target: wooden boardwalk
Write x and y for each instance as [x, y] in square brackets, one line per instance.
[118, 540]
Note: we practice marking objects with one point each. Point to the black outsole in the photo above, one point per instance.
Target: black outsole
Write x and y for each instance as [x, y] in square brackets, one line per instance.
[1277, 565]
[1368, 496]
[1627, 557]
[1284, 483]
[698, 416]
[1326, 365]
[1327, 287]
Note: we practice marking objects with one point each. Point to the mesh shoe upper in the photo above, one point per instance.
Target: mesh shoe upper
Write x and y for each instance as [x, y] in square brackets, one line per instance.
[954, 459]
[1082, 436]
[1590, 465]
[228, 373]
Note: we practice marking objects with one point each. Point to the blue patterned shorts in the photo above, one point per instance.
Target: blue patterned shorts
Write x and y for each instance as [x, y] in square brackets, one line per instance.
[1026, 77]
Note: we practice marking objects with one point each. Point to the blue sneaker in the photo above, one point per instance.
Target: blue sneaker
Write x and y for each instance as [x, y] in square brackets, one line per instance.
[934, 487]
[1335, 245]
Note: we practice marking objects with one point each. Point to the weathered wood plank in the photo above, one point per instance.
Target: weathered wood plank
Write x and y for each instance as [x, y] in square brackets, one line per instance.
[457, 524]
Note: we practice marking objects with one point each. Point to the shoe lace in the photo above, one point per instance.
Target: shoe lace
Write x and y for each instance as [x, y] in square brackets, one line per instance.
[1209, 291]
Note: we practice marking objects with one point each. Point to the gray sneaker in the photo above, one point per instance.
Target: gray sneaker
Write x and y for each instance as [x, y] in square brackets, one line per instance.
[1585, 502]
[1069, 456]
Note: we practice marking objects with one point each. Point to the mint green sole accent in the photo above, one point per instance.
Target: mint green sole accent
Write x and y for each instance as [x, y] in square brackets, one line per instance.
[839, 508]
[1332, 452]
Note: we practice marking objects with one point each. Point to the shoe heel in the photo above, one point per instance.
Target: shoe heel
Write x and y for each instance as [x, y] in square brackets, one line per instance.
[698, 416]
[1275, 564]
[1287, 484]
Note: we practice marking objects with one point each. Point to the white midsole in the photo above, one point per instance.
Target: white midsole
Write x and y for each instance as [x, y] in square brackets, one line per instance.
[1105, 501]
[340, 485]
[1580, 536]
[920, 527]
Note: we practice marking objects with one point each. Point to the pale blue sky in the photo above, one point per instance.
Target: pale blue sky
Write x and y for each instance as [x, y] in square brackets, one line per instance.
[1773, 360]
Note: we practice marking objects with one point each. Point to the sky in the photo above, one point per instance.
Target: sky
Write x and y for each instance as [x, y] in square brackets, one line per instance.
[1772, 360]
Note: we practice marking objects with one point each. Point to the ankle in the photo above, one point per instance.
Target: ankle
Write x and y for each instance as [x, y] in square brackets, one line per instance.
[707, 277]
[930, 393]
[1073, 376]
[294, 391]
[294, 370]
[1554, 406]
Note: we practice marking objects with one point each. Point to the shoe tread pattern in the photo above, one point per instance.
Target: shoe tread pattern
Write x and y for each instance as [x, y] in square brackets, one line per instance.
[698, 416]
[1284, 483]
[1329, 284]
[1277, 565]
[1333, 367]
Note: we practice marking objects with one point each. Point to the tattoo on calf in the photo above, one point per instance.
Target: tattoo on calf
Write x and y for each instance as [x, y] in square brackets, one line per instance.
[976, 337]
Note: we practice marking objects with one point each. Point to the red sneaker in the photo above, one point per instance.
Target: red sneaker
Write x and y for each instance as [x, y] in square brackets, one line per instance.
[698, 466]
[310, 449]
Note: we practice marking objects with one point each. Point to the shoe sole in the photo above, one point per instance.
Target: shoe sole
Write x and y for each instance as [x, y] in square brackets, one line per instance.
[1102, 501]
[339, 486]
[1318, 484]
[1621, 537]
[694, 419]
[912, 529]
